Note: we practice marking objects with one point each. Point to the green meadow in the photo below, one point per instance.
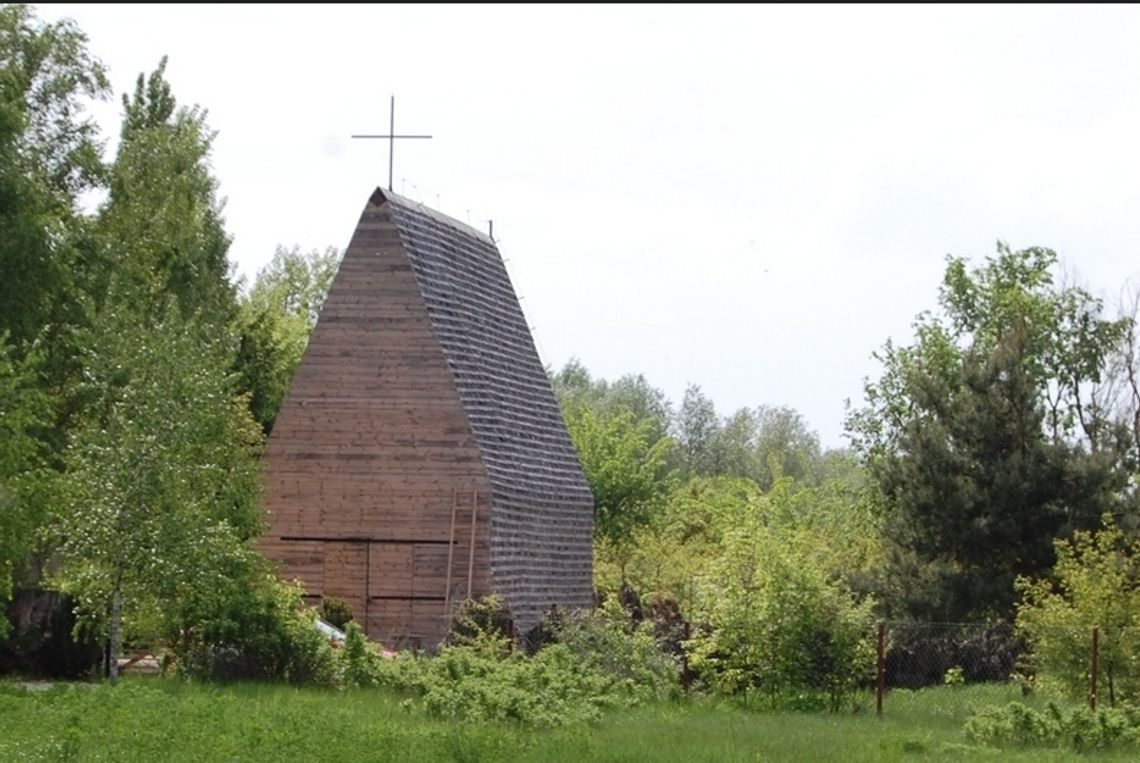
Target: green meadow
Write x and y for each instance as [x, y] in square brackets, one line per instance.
[155, 719]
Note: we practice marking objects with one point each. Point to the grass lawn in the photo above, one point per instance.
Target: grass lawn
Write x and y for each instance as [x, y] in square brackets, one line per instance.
[153, 719]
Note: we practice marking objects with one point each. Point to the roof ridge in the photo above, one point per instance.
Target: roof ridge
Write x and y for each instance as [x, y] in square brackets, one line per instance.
[379, 196]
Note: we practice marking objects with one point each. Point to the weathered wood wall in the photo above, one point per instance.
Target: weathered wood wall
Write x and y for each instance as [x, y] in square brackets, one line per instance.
[372, 454]
[421, 429]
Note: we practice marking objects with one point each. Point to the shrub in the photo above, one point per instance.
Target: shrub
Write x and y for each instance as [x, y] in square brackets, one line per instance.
[480, 683]
[357, 662]
[594, 662]
[1097, 583]
[1082, 729]
[262, 633]
[610, 642]
[483, 620]
[775, 628]
[336, 612]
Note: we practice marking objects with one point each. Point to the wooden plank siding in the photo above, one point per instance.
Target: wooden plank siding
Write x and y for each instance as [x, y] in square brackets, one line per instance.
[420, 396]
[370, 448]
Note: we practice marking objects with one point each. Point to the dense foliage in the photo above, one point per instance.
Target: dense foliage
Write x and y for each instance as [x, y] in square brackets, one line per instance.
[1079, 729]
[1095, 584]
[1005, 425]
[592, 662]
[734, 554]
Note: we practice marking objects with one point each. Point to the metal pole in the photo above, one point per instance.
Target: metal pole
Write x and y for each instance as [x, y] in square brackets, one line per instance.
[1095, 667]
[392, 139]
[686, 673]
[880, 668]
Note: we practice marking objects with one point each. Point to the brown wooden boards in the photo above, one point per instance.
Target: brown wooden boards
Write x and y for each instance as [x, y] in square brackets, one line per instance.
[419, 456]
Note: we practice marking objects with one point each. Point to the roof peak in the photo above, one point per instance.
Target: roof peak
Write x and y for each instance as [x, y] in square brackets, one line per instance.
[380, 196]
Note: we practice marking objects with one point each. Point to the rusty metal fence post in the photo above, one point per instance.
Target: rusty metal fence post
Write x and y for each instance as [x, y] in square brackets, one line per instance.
[880, 668]
[1094, 668]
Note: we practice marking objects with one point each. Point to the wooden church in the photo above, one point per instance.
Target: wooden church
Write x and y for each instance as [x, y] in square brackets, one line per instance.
[419, 456]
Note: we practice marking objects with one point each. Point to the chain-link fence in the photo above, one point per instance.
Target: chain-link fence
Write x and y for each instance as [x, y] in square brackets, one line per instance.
[956, 667]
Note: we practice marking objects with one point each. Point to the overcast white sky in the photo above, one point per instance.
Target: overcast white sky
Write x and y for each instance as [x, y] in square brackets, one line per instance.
[751, 198]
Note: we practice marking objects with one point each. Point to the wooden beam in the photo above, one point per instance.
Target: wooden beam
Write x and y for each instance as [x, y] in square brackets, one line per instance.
[471, 555]
[450, 552]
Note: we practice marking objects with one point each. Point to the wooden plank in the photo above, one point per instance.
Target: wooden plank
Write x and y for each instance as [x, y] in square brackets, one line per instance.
[345, 574]
[300, 560]
[430, 562]
[450, 550]
[429, 622]
[471, 553]
[390, 571]
[389, 620]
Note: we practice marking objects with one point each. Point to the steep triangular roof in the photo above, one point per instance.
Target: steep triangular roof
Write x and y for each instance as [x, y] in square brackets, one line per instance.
[421, 391]
[485, 337]
[542, 521]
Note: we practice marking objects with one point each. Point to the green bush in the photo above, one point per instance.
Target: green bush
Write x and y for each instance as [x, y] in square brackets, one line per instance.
[1082, 729]
[597, 661]
[1096, 582]
[357, 662]
[483, 620]
[775, 628]
[263, 633]
[609, 642]
[336, 612]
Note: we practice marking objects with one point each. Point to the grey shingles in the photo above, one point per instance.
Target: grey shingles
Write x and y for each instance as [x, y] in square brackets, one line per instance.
[542, 508]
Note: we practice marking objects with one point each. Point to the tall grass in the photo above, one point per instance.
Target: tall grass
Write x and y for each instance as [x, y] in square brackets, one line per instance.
[151, 719]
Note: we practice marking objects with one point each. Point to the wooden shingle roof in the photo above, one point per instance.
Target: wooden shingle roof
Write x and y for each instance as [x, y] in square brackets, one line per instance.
[542, 508]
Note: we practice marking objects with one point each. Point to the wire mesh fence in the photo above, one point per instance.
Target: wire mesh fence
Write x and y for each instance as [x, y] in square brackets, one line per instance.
[988, 663]
[912, 658]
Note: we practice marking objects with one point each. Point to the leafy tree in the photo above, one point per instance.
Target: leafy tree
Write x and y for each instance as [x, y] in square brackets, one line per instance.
[973, 434]
[49, 156]
[631, 393]
[763, 445]
[572, 383]
[162, 225]
[785, 446]
[275, 320]
[776, 628]
[732, 450]
[1118, 398]
[1095, 583]
[620, 432]
[625, 467]
[840, 518]
[697, 426]
[24, 409]
[162, 479]
[666, 556]
[1068, 339]
[644, 402]
[1067, 343]
[836, 521]
[294, 284]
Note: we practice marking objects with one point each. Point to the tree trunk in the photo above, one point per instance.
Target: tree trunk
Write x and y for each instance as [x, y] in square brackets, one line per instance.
[115, 633]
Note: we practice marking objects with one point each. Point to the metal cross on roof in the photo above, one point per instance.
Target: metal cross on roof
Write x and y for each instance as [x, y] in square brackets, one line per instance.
[391, 137]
